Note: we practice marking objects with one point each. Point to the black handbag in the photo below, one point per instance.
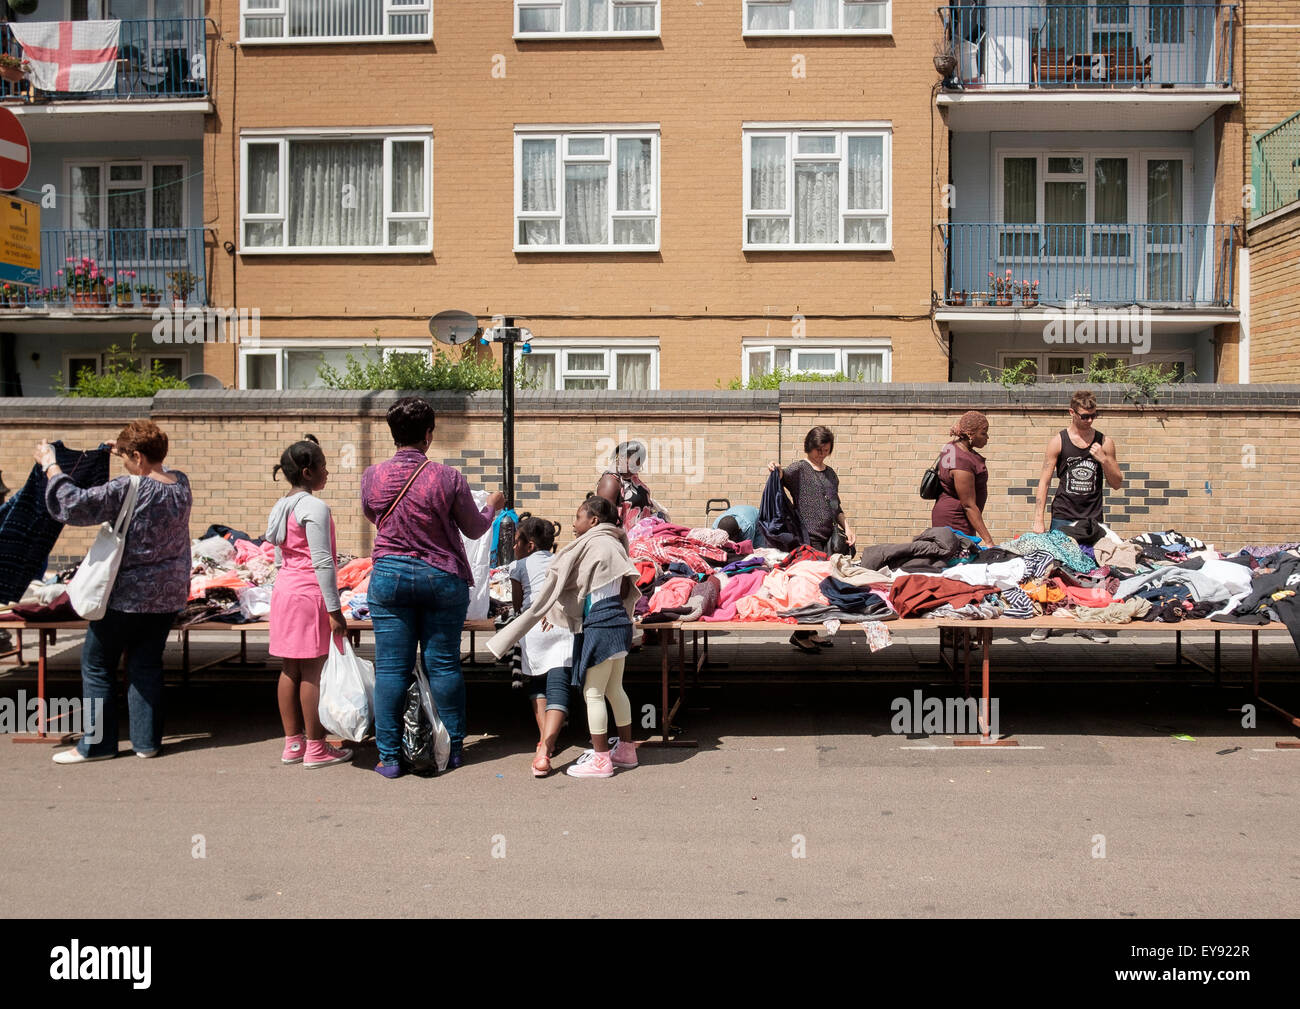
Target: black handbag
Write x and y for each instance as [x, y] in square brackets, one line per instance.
[838, 543]
[931, 488]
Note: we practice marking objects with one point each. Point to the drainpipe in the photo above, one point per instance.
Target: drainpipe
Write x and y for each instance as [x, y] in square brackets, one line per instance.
[1243, 339]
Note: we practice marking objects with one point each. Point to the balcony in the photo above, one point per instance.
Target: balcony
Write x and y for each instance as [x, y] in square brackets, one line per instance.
[152, 261]
[162, 71]
[1275, 167]
[1183, 273]
[1092, 66]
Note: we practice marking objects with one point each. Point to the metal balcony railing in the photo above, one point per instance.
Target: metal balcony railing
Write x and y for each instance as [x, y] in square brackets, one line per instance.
[158, 265]
[1155, 265]
[1275, 166]
[156, 58]
[1091, 46]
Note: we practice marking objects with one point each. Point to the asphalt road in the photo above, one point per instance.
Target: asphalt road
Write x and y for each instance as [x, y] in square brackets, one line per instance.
[798, 801]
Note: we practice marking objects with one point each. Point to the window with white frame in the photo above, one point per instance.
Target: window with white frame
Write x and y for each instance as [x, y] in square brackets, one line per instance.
[812, 187]
[172, 365]
[591, 365]
[1068, 366]
[586, 18]
[338, 191]
[1089, 204]
[859, 361]
[298, 366]
[579, 189]
[816, 17]
[335, 20]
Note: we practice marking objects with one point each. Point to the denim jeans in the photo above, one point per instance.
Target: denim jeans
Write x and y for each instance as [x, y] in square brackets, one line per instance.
[412, 603]
[142, 636]
[554, 686]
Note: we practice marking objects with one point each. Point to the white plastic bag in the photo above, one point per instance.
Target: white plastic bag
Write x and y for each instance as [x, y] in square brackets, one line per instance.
[441, 737]
[255, 602]
[92, 585]
[347, 692]
[479, 553]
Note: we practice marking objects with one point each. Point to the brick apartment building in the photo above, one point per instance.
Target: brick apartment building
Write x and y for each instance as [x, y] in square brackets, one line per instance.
[668, 195]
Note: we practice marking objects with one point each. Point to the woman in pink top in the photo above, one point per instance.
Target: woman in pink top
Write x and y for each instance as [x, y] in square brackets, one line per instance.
[305, 608]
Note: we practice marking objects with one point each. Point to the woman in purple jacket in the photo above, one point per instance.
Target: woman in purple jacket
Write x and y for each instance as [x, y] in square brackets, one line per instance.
[419, 588]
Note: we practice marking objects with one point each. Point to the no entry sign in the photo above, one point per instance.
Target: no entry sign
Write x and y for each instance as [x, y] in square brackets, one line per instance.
[15, 151]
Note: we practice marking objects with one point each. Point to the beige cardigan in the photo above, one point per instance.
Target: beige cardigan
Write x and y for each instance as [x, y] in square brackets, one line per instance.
[594, 559]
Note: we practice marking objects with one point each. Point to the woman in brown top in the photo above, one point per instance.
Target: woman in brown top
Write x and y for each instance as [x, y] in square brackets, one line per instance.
[964, 478]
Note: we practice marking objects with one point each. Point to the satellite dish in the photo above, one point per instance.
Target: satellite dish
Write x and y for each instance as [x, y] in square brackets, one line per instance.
[453, 327]
[202, 380]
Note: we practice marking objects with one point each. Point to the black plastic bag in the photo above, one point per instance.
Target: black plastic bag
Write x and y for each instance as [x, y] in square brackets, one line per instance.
[417, 735]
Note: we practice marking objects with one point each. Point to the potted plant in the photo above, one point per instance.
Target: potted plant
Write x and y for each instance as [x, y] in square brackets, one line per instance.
[1003, 289]
[957, 297]
[1028, 291]
[124, 289]
[87, 286]
[150, 296]
[14, 69]
[979, 298]
[181, 284]
[945, 60]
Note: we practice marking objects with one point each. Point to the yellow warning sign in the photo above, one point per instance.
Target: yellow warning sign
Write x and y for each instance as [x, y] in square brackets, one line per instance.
[20, 241]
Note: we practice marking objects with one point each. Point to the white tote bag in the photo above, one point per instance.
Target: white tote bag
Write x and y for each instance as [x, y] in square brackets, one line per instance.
[479, 554]
[93, 583]
[347, 692]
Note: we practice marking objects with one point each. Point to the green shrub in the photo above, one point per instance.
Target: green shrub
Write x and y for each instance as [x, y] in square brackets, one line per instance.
[469, 371]
[773, 379]
[123, 378]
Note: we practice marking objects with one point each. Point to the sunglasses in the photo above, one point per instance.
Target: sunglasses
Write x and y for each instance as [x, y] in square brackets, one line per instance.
[1086, 416]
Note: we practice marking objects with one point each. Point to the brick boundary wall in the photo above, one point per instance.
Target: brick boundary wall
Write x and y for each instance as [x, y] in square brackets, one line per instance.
[1209, 460]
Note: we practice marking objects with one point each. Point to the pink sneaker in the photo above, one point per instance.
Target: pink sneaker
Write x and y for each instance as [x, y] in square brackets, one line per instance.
[591, 765]
[623, 755]
[293, 749]
[321, 754]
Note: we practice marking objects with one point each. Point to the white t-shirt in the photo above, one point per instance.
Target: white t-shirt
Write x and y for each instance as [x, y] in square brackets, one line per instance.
[541, 650]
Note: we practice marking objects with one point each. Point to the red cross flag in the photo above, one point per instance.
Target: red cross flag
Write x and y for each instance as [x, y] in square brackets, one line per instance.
[70, 55]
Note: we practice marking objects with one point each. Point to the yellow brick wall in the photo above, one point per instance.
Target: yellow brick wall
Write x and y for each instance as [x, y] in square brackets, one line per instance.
[880, 455]
[700, 295]
[1270, 53]
[1275, 300]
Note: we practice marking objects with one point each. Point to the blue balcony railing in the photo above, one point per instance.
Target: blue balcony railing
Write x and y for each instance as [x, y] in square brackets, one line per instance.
[156, 58]
[153, 262]
[1275, 166]
[1155, 265]
[1091, 46]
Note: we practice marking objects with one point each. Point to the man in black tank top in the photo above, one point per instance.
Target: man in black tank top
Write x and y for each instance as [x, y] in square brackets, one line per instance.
[1081, 457]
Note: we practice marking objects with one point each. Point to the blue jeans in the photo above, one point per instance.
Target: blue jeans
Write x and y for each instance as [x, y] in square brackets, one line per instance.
[412, 603]
[554, 686]
[142, 636]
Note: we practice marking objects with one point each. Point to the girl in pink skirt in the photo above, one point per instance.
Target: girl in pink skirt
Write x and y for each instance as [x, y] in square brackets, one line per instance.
[305, 608]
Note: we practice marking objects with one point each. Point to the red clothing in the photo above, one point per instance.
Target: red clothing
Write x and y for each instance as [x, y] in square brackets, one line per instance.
[947, 511]
[912, 594]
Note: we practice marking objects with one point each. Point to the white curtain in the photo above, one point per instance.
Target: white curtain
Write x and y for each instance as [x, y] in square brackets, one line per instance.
[817, 203]
[634, 18]
[866, 157]
[1020, 190]
[816, 13]
[769, 17]
[537, 179]
[540, 369]
[317, 18]
[635, 175]
[586, 15]
[586, 204]
[767, 189]
[633, 371]
[85, 196]
[321, 210]
[168, 193]
[864, 15]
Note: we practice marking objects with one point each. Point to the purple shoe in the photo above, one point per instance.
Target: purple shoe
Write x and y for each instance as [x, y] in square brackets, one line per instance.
[389, 770]
[456, 757]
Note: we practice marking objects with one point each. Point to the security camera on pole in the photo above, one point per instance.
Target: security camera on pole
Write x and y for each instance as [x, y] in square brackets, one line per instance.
[454, 327]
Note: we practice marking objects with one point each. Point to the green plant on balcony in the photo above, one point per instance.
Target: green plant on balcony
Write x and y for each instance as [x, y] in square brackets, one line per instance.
[181, 284]
[123, 377]
[124, 288]
[13, 68]
[150, 296]
[1004, 288]
[1027, 291]
[87, 287]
